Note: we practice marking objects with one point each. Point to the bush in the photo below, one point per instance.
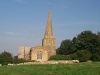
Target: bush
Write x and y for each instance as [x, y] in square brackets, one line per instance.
[5, 63]
[83, 55]
[60, 57]
[16, 60]
[74, 56]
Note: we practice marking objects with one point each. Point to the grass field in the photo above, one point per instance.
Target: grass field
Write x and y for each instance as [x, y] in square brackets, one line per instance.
[92, 68]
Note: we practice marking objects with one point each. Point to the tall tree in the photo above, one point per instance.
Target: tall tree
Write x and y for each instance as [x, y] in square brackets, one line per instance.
[73, 45]
[98, 33]
[64, 47]
[87, 40]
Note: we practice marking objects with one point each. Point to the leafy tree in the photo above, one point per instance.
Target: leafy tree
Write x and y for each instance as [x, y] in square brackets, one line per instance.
[96, 54]
[87, 40]
[64, 47]
[98, 33]
[0, 58]
[5, 58]
[73, 45]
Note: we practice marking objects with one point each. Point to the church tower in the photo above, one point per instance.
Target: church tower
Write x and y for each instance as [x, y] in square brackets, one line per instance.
[49, 40]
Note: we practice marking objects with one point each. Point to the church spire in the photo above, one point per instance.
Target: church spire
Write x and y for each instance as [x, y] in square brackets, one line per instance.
[48, 31]
[48, 39]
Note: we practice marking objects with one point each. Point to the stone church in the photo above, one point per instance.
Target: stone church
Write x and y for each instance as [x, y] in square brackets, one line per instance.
[44, 52]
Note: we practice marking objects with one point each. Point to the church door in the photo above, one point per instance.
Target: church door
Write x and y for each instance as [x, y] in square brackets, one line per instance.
[39, 55]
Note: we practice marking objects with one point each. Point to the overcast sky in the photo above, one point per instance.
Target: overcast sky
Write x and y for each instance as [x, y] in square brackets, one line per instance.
[23, 22]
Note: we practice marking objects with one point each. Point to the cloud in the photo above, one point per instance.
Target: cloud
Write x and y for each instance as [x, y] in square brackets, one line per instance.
[63, 4]
[20, 1]
[78, 23]
[11, 33]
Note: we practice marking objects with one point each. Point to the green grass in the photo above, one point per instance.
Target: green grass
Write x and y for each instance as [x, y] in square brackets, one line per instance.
[92, 68]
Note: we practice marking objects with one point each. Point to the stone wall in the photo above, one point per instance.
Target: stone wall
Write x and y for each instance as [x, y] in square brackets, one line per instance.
[43, 56]
[49, 62]
[24, 52]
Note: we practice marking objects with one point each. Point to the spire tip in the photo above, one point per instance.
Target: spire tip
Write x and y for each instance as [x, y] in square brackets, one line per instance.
[50, 4]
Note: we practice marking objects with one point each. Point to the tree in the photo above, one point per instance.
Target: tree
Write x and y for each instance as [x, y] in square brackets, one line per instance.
[0, 58]
[5, 58]
[96, 54]
[87, 40]
[64, 48]
[98, 33]
[73, 45]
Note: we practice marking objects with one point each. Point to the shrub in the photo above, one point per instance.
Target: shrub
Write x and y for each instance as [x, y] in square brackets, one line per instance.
[60, 57]
[16, 60]
[32, 61]
[83, 55]
[74, 56]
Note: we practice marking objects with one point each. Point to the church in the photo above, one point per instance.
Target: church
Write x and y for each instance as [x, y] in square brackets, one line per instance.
[44, 52]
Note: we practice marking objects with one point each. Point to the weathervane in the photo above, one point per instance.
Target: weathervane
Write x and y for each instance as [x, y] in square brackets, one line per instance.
[50, 4]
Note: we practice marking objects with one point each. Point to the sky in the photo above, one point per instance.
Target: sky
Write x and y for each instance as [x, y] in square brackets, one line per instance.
[23, 22]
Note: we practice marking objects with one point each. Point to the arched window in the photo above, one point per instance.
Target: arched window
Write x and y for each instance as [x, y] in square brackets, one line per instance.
[39, 55]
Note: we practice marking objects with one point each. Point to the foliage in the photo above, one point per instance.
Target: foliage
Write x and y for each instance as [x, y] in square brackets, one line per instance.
[96, 54]
[90, 41]
[60, 57]
[73, 45]
[5, 58]
[98, 33]
[51, 69]
[86, 40]
[83, 55]
[74, 56]
[64, 57]
[95, 57]
[64, 47]
[16, 60]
